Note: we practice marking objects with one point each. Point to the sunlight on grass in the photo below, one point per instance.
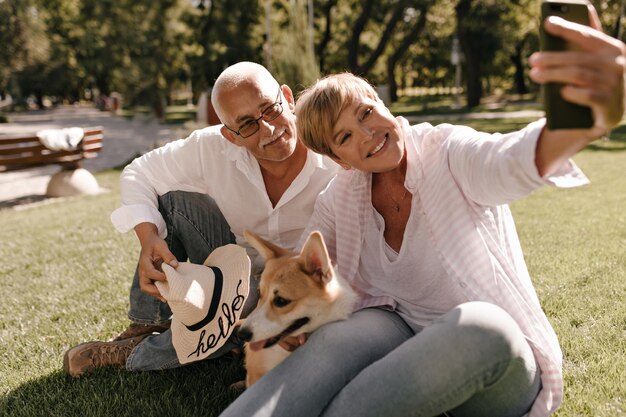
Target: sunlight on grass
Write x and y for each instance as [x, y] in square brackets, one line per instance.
[575, 247]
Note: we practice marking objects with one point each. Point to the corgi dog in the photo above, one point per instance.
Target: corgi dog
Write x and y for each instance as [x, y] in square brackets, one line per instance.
[298, 294]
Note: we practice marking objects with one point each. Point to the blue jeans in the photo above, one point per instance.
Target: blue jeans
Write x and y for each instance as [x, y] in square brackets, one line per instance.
[473, 361]
[195, 226]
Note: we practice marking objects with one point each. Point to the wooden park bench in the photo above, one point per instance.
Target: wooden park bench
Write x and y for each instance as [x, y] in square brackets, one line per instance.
[26, 151]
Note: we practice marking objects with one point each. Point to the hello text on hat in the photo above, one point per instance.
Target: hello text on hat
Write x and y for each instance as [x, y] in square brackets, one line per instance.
[206, 301]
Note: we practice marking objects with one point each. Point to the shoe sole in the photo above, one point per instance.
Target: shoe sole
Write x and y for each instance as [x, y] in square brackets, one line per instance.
[66, 362]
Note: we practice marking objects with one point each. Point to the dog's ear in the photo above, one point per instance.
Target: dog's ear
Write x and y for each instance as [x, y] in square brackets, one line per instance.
[266, 249]
[314, 257]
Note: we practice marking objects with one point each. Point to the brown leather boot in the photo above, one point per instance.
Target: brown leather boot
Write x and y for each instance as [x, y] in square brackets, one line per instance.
[86, 357]
[136, 329]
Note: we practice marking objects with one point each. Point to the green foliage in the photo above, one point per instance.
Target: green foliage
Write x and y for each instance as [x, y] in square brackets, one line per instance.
[148, 49]
[126, 46]
[221, 36]
[57, 71]
[367, 33]
[293, 59]
[611, 13]
[427, 62]
[24, 44]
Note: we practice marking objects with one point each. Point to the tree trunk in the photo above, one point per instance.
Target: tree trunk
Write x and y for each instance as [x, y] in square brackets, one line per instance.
[408, 40]
[39, 98]
[158, 106]
[617, 29]
[357, 29]
[396, 17]
[354, 45]
[517, 59]
[471, 54]
[321, 48]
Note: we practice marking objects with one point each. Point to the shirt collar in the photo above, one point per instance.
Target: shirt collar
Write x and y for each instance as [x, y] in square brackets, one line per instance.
[414, 163]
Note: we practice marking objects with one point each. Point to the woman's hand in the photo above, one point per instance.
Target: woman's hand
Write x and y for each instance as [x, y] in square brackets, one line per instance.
[593, 76]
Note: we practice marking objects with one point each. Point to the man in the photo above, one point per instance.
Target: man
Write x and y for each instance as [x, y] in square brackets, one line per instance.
[184, 199]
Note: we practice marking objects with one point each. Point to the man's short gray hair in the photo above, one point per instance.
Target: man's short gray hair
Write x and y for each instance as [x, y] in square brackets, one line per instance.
[234, 76]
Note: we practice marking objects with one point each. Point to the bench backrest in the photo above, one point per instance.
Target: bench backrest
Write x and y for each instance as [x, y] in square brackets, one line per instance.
[19, 152]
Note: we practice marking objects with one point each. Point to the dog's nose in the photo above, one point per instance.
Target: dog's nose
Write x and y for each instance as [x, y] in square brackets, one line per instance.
[244, 334]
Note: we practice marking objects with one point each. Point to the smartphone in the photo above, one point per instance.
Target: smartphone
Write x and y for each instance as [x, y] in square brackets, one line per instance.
[562, 114]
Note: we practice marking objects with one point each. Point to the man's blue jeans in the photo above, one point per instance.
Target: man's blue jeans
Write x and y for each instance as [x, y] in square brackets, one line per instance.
[473, 361]
[195, 226]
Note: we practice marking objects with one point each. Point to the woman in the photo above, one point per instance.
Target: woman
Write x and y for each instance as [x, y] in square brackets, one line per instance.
[419, 224]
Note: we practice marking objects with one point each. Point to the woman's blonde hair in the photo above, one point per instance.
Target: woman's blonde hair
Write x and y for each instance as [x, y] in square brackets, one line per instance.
[318, 108]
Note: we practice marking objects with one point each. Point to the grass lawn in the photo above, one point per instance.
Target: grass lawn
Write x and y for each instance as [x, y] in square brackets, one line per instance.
[175, 114]
[65, 275]
[445, 104]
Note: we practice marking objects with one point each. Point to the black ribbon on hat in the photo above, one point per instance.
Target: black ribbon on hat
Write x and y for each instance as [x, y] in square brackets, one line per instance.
[215, 301]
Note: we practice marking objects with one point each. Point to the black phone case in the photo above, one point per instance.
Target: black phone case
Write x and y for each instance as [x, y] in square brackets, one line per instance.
[562, 114]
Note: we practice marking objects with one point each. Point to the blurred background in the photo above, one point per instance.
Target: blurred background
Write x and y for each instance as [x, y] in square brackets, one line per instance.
[145, 55]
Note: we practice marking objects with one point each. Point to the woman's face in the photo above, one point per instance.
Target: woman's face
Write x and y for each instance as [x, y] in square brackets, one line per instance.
[367, 137]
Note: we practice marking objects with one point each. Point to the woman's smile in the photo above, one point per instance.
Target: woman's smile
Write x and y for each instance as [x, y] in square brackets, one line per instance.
[380, 146]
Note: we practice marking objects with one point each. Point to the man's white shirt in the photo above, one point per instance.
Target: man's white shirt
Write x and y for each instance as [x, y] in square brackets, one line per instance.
[207, 163]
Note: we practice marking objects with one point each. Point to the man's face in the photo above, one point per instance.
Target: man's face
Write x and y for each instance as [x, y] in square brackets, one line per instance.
[276, 139]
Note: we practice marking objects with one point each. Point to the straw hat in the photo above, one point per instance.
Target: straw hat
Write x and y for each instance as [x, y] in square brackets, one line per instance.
[206, 300]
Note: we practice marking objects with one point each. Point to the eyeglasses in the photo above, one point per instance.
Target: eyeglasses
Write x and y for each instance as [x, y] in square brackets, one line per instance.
[268, 114]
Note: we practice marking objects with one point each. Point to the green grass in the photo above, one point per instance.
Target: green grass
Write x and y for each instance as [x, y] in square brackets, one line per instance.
[175, 114]
[445, 104]
[64, 280]
[65, 274]
[179, 114]
[575, 247]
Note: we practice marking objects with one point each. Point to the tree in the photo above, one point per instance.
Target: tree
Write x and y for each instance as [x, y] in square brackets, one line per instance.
[416, 20]
[293, 58]
[375, 42]
[25, 49]
[14, 32]
[145, 49]
[395, 14]
[479, 45]
[221, 36]
[611, 14]
[520, 35]
[326, 36]
[426, 62]
[133, 47]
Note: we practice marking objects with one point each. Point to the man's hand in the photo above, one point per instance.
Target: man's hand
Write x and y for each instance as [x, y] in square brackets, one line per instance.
[154, 252]
[291, 343]
[593, 77]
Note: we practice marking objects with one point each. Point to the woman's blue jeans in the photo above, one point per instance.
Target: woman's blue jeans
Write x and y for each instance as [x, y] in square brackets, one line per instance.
[195, 226]
[473, 361]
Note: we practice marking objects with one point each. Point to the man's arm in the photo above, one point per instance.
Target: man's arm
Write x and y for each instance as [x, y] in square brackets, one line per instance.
[594, 77]
[181, 165]
[177, 166]
[154, 252]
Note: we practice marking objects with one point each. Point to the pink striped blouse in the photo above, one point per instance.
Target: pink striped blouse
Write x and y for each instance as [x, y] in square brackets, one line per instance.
[465, 179]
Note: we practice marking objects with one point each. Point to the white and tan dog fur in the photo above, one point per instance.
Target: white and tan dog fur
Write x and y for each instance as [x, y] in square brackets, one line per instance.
[298, 294]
